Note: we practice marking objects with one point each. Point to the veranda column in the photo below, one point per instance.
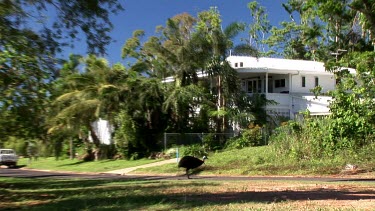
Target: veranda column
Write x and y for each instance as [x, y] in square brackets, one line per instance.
[291, 116]
[266, 84]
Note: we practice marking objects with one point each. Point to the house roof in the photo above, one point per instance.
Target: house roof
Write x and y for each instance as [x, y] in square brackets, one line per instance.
[273, 65]
[277, 65]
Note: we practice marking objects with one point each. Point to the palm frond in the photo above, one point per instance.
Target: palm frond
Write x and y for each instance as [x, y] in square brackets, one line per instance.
[70, 96]
[82, 108]
[234, 29]
[246, 50]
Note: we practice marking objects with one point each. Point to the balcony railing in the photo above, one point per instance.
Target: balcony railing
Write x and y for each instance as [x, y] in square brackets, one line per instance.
[295, 103]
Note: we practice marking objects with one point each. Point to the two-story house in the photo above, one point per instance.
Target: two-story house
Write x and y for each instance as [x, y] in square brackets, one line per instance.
[287, 82]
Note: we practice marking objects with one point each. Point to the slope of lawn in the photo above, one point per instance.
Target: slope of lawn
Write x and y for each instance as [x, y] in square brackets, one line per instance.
[250, 161]
[258, 161]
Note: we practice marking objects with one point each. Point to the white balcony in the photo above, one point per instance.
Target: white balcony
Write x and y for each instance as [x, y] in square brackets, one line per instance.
[289, 105]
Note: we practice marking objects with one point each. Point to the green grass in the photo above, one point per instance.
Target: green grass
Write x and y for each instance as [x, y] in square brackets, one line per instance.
[260, 161]
[251, 161]
[80, 166]
[57, 194]
[255, 161]
[77, 194]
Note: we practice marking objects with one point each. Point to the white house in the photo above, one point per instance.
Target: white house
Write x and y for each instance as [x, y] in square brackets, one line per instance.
[286, 81]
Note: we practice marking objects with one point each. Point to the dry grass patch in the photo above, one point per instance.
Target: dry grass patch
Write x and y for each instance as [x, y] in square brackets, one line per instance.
[194, 194]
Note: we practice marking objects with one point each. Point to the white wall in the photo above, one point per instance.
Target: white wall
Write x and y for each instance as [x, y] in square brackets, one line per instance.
[317, 105]
[327, 82]
[280, 89]
[103, 130]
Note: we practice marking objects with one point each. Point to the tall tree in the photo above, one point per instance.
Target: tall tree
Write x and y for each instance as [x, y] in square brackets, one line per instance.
[225, 88]
[259, 27]
[29, 43]
[339, 33]
[174, 53]
[352, 108]
[95, 93]
[141, 120]
[188, 46]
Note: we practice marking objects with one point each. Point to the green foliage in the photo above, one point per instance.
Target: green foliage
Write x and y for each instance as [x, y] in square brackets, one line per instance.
[18, 144]
[210, 143]
[196, 150]
[28, 57]
[82, 97]
[28, 147]
[142, 108]
[126, 134]
[324, 32]
[186, 46]
[352, 108]
[141, 120]
[249, 138]
[317, 91]
[171, 152]
[259, 27]
[313, 139]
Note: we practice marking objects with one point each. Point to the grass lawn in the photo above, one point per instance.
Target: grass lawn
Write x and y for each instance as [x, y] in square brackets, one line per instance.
[80, 166]
[54, 194]
[261, 161]
[251, 161]
[77, 194]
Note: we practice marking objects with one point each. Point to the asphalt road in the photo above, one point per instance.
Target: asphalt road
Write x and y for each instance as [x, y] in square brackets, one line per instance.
[36, 174]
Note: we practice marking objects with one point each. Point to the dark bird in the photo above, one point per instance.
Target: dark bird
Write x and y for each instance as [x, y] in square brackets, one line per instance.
[190, 162]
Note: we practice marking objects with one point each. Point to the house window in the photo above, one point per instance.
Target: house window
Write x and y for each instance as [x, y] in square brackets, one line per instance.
[303, 81]
[244, 86]
[251, 86]
[241, 64]
[254, 86]
[316, 81]
[235, 64]
[279, 83]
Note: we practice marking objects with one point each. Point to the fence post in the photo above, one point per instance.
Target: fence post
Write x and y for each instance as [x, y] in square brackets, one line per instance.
[177, 155]
[165, 142]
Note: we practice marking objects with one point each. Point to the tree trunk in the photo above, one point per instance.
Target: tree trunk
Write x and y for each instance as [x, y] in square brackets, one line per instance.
[71, 150]
[221, 126]
[96, 142]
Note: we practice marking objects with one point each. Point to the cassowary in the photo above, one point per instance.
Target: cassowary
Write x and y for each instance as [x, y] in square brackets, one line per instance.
[190, 162]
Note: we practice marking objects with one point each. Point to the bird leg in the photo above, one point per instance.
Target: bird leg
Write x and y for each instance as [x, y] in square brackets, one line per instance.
[187, 173]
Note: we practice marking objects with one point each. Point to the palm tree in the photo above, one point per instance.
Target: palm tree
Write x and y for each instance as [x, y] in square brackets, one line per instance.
[95, 93]
[178, 54]
[224, 77]
[186, 46]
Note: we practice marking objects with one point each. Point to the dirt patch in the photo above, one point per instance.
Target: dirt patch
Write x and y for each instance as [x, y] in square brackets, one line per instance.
[292, 196]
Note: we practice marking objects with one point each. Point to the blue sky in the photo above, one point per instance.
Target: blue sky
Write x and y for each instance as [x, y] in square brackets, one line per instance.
[147, 14]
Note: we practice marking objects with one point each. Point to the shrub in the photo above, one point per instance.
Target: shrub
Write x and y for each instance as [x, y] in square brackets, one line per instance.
[196, 150]
[249, 138]
[18, 144]
[300, 140]
[209, 142]
[312, 140]
[171, 152]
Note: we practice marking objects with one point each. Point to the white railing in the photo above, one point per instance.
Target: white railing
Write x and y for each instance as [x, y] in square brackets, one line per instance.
[281, 99]
[316, 105]
[295, 103]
